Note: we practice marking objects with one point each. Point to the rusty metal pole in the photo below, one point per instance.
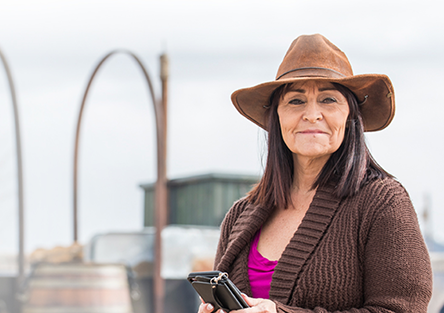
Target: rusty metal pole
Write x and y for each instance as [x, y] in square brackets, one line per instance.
[158, 119]
[161, 192]
[18, 147]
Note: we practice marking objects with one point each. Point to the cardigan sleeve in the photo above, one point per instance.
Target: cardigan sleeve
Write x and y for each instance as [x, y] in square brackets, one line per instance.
[396, 265]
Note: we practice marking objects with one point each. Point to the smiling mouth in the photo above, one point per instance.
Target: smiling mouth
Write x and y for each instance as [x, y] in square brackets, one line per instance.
[312, 132]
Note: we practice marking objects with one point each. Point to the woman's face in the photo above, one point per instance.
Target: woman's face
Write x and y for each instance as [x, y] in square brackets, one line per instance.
[313, 117]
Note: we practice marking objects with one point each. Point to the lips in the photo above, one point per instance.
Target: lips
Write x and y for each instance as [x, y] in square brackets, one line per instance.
[312, 131]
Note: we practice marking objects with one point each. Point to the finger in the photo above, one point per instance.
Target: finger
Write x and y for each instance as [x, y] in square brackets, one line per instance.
[205, 307]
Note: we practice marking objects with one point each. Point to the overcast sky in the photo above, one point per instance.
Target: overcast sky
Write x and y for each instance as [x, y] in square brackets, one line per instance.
[215, 47]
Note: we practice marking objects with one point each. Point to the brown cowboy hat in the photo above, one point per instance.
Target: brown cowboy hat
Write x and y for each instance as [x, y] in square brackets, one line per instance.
[314, 57]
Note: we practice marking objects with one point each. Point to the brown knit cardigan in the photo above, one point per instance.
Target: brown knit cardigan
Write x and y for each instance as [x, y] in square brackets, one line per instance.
[361, 254]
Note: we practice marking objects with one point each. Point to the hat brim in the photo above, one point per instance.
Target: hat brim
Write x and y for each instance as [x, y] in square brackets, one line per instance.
[377, 110]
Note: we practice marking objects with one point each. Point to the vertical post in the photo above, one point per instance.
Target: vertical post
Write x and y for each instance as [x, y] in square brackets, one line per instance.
[164, 73]
[18, 146]
[161, 192]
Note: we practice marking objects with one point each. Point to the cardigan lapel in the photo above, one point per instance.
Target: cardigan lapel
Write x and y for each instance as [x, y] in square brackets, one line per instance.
[246, 225]
[304, 242]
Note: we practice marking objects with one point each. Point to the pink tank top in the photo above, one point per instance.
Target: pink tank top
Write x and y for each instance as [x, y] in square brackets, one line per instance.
[260, 271]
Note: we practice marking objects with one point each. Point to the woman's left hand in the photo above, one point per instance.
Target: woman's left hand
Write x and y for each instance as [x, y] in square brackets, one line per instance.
[257, 305]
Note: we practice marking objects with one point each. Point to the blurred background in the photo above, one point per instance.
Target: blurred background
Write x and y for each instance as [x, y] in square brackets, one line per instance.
[214, 47]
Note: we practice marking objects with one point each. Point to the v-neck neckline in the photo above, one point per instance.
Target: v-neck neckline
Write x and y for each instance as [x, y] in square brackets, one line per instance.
[303, 243]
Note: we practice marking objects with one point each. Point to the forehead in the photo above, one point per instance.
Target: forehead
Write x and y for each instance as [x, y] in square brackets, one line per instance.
[310, 85]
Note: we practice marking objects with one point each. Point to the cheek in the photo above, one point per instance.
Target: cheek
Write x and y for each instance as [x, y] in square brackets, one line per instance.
[340, 135]
[339, 127]
[286, 124]
[288, 119]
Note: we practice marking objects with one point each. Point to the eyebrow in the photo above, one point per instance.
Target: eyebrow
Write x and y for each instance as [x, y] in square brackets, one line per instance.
[320, 89]
[328, 89]
[297, 90]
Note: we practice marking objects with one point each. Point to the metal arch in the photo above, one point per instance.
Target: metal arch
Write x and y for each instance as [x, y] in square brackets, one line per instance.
[158, 111]
[21, 257]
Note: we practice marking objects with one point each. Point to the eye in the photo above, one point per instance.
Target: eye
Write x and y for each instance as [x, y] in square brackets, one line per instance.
[329, 100]
[296, 101]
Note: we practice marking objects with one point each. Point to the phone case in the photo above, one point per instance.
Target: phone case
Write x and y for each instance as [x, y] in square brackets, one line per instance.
[216, 288]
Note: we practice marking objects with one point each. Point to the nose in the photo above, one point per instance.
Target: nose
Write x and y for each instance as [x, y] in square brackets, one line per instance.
[312, 112]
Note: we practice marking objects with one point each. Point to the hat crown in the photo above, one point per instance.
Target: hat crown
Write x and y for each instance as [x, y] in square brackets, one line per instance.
[314, 55]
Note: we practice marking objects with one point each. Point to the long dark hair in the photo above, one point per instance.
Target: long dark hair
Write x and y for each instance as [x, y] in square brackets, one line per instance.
[351, 166]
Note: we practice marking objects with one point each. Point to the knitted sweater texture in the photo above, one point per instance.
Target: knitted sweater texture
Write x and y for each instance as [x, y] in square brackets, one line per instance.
[360, 254]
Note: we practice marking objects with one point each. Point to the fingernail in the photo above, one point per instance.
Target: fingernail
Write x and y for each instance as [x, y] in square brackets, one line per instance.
[210, 307]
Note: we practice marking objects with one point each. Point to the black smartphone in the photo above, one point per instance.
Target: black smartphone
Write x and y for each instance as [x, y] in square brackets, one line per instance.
[216, 288]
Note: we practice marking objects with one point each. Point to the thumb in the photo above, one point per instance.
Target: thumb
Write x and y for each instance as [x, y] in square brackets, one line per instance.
[251, 301]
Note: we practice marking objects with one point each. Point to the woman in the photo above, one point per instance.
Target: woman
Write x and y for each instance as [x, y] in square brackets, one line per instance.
[326, 229]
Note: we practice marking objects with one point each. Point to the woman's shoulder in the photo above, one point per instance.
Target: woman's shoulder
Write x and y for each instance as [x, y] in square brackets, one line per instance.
[382, 196]
[236, 210]
[387, 187]
[241, 203]
[231, 217]
[385, 204]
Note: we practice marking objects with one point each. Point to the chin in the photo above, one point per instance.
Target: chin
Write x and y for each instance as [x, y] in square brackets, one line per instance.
[312, 154]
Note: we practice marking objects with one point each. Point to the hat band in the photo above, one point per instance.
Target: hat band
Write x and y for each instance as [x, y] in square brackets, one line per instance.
[317, 72]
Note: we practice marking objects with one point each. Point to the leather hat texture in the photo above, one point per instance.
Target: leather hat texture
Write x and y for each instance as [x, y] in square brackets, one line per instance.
[314, 57]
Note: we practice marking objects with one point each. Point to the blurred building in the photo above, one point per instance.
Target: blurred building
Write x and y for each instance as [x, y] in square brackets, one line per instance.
[199, 200]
